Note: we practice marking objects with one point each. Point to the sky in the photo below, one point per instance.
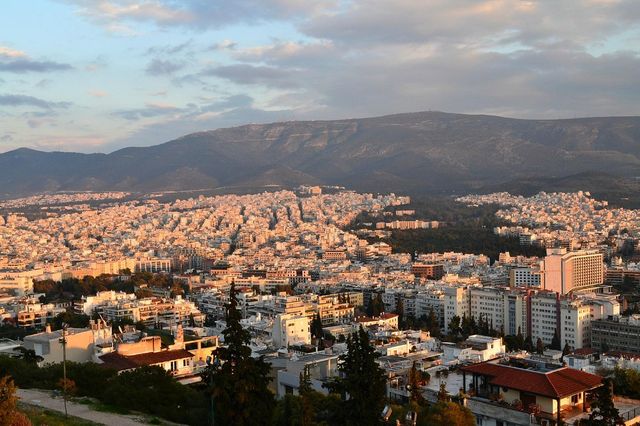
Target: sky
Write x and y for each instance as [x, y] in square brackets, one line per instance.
[99, 75]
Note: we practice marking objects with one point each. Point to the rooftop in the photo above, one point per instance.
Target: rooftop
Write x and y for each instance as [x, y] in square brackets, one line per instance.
[556, 383]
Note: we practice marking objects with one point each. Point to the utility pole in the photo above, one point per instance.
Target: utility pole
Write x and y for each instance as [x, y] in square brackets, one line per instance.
[63, 341]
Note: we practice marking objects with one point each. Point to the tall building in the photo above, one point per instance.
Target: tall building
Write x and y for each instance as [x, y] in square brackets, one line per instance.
[456, 303]
[564, 271]
[545, 311]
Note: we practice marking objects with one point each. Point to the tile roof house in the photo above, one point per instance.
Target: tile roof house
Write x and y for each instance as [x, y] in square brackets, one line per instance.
[547, 393]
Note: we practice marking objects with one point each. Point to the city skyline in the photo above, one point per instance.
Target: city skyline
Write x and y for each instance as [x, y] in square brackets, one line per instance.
[96, 76]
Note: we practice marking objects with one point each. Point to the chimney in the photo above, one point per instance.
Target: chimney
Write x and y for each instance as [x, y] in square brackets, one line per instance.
[47, 329]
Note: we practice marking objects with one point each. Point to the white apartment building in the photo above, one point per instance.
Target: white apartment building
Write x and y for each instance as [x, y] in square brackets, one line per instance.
[525, 277]
[290, 329]
[566, 271]
[544, 316]
[476, 348]
[431, 300]
[87, 304]
[487, 303]
[456, 304]
[575, 324]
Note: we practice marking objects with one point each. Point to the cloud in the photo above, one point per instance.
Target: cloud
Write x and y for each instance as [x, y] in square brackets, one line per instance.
[149, 111]
[197, 14]
[225, 112]
[225, 44]
[161, 67]
[171, 49]
[44, 83]
[251, 74]
[8, 52]
[24, 100]
[21, 66]
[98, 93]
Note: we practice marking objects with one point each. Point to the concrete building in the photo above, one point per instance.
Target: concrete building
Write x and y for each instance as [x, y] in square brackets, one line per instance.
[525, 277]
[564, 271]
[545, 312]
[616, 334]
[456, 303]
[531, 393]
[289, 329]
[82, 343]
[476, 348]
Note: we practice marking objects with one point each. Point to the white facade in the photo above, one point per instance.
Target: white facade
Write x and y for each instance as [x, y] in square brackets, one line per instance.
[566, 271]
[289, 329]
[544, 316]
[456, 304]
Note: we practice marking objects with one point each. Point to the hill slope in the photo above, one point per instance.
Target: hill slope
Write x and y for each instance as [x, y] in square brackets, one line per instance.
[416, 153]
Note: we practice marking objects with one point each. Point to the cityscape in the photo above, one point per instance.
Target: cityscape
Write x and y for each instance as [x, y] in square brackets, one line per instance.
[319, 213]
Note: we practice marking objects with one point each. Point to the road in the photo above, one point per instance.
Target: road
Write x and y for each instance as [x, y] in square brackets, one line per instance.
[44, 399]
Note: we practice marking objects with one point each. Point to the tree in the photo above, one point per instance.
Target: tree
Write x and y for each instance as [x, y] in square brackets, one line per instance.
[9, 414]
[627, 382]
[566, 350]
[539, 346]
[519, 340]
[443, 395]
[316, 326]
[239, 386]
[528, 344]
[376, 306]
[362, 383]
[603, 411]
[450, 413]
[400, 312]
[433, 325]
[306, 399]
[454, 326]
[555, 341]
[70, 318]
[415, 383]
[29, 355]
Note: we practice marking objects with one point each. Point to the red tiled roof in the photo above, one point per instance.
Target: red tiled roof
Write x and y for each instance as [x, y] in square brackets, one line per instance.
[122, 362]
[555, 384]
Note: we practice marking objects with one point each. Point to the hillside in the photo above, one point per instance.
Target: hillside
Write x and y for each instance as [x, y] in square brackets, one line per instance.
[426, 152]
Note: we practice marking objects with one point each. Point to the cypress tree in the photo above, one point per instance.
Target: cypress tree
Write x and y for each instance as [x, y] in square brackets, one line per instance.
[239, 386]
[362, 384]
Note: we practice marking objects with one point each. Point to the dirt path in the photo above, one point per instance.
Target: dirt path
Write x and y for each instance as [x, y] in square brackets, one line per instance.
[44, 399]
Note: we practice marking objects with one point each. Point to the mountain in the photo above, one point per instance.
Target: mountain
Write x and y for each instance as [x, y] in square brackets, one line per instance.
[423, 152]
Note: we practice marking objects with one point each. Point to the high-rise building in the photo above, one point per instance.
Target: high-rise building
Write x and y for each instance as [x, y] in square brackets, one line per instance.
[564, 271]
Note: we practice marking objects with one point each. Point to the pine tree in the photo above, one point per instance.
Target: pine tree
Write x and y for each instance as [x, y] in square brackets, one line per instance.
[555, 341]
[603, 411]
[454, 326]
[433, 325]
[239, 386]
[443, 395]
[539, 346]
[306, 394]
[316, 326]
[400, 312]
[528, 344]
[376, 306]
[520, 340]
[415, 385]
[566, 350]
[362, 384]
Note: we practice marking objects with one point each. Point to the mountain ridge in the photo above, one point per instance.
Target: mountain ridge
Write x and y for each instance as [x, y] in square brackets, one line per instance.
[418, 152]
